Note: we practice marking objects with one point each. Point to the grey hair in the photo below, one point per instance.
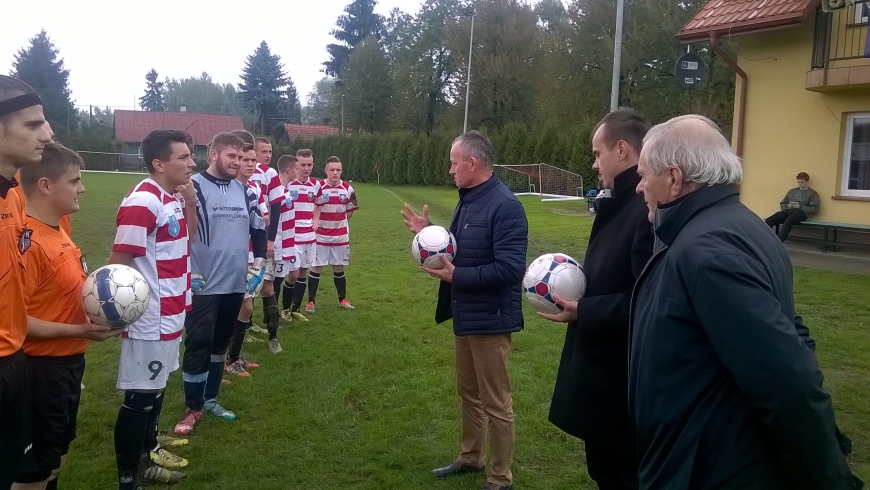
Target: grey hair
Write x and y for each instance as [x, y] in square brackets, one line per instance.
[694, 144]
[478, 145]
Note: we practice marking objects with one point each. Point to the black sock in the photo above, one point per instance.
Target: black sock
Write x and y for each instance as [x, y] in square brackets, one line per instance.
[153, 419]
[298, 293]
[52, 484]
[130, 430]
[235, 348]
[276, 286]
[287, 298]
[270, 311]
[313, 282]
[340, 285]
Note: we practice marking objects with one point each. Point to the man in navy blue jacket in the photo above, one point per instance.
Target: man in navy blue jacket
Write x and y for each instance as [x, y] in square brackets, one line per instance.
[481, 292]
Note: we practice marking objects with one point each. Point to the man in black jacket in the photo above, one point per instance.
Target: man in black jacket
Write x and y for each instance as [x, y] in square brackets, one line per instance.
[590, 400]
[723, 390]
[482, 292]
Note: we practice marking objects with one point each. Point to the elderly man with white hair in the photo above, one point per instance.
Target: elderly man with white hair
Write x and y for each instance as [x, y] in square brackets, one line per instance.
[724, 391]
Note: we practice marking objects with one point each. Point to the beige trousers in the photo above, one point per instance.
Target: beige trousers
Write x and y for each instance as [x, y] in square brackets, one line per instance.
[487, 404]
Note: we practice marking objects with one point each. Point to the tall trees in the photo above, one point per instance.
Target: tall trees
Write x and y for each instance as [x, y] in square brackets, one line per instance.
[266, 85]
[153, 98]
[358, 22]
[39, 66]
[201, 94]
[366, 88]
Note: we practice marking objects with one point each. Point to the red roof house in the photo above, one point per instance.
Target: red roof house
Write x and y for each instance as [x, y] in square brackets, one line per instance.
[734, 17]
[133, 126]
[308, 131]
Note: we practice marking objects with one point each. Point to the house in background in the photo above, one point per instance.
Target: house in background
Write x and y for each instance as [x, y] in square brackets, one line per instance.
[306, 131]
[807, 100]
[131, 127]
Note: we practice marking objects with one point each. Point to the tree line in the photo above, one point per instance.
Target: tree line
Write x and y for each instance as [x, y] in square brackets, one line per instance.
[396, 84]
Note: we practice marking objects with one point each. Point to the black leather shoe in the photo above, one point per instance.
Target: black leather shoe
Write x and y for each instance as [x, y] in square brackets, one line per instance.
[457, 468]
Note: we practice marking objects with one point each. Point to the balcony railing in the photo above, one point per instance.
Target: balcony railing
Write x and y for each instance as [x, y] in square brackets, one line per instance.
[840, 35]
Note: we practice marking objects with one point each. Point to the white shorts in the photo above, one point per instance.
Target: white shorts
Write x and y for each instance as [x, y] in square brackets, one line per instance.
[279, 268]
[305, 255]
[338, 255]
[146, 364]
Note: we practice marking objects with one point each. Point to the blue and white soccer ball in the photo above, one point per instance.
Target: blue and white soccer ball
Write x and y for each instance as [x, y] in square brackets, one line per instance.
[553, 273]
[430, 242]
[115, 295]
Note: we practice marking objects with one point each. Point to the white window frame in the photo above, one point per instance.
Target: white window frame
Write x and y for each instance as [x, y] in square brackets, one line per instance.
[861, 12]
[847, 158]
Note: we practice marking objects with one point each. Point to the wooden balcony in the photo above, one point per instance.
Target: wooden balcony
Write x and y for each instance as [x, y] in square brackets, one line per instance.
[839, 43]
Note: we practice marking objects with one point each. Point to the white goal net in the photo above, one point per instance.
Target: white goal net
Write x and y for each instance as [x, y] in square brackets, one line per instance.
[112, 162]
[549, 182]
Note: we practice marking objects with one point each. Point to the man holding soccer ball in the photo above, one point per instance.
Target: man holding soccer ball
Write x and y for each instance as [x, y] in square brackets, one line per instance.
[481, 291]
[590, 399]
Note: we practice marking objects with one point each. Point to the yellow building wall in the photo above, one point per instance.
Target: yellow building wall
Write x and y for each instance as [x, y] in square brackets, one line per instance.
[790, 129]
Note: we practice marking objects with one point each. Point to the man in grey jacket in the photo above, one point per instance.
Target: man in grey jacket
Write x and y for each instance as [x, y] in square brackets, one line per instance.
[795, 207]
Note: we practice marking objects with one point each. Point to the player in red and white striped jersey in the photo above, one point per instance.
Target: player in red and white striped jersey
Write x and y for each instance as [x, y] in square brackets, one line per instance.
[303, 190]
[266, 176]
[155, 223]
[336, 202]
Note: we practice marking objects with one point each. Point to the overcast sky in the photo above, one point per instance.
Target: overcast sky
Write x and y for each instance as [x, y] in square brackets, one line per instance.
[109, 45]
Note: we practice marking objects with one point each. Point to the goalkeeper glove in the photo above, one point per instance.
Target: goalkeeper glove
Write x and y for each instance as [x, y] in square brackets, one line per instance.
[255, 277]
[197, 283]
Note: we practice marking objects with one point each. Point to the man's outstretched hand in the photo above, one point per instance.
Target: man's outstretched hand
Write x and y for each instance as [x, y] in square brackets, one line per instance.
[413, 221]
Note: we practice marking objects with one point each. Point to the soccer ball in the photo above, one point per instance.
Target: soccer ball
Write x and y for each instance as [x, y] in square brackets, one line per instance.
[430, 242]
[553, 273]
[115, 295]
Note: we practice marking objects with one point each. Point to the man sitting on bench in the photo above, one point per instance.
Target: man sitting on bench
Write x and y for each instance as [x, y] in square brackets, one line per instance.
[797, 204]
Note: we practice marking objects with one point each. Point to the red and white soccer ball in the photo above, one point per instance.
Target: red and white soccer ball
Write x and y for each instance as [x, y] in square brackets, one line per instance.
[430, 242]
[553, 273]
[115, 295]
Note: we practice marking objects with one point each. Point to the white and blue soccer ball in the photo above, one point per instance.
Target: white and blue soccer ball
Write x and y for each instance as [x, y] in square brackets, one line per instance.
[553, 273]
[430, 242]
[115, 295]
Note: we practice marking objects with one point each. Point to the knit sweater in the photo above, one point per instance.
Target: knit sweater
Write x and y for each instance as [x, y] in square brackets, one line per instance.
[808, 200]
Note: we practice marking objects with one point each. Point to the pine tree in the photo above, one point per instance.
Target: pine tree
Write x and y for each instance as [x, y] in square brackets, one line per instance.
[263, 84]
[367, 88]
[38, 65]
[153, 98]
[359, 22]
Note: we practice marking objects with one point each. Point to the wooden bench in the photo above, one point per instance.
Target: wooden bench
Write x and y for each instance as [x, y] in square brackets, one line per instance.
[831, 238]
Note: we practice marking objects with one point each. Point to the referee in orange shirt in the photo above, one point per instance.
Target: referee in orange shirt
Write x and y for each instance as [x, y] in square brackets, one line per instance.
[58, 328]
[23, 133]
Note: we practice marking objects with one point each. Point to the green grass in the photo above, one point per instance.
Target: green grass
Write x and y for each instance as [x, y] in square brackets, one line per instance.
[365, 399]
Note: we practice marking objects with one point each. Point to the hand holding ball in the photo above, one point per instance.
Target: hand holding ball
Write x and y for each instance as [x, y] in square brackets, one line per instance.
[115, 295]
[431, 241]
[553, 273]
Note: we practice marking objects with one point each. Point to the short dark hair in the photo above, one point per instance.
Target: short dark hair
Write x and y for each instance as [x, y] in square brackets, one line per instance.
[332, 159]
[303, 153]
[158, 145]
[11, 87]
[223, 140]
[262, 140]
[247, 137]
[803, 176]
[286, 161]
[623, 124]
[56, 159]
[478, 145]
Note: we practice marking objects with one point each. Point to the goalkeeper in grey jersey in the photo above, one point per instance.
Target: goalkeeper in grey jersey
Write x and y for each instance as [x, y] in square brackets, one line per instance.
[228, 218]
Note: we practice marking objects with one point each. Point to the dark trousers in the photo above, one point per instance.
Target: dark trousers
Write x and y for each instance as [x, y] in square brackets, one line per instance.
[612, 468]
[14, 416]
[208, 328]
[785, 220]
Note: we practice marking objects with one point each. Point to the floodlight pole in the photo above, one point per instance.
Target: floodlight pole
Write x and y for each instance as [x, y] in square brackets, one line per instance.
[468, 77]
[342, 114]
[617, 56]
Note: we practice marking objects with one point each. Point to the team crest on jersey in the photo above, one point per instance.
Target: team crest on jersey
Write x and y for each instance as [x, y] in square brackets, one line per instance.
[84, 264]
[294, 195]
[174, 226]
[24, 240]
[310, 195]
[342, 197]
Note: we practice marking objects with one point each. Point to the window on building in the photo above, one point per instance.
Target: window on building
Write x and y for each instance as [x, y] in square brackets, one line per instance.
[861, 13]
[856, 161]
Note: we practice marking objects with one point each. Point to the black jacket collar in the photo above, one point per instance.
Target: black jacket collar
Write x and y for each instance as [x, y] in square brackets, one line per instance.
[676, 214]
[626, 182]
[6, 185]
[474, 193]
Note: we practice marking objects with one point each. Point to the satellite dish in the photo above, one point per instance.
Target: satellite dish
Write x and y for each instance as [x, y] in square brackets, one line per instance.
[690, 71]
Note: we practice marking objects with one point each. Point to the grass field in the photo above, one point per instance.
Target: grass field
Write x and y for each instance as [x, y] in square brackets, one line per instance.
[365, 399]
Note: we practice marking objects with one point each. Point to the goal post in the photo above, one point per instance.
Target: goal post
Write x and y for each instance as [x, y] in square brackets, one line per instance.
[112, 162]
[546, 181]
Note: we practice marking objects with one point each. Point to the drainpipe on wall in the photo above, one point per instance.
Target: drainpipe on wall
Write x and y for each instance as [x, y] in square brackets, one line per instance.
[741, 116]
